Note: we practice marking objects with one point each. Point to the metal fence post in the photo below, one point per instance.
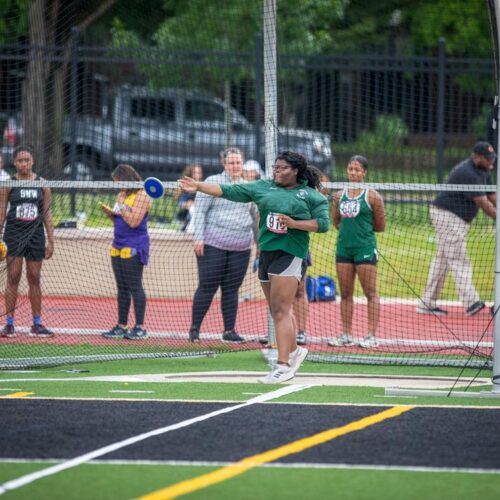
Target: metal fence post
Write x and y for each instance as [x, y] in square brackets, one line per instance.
[270, 127]
[73, 112]
[259, 71]
[440, 110]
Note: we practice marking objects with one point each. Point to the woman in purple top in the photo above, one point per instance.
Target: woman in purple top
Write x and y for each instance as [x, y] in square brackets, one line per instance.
[130, 252]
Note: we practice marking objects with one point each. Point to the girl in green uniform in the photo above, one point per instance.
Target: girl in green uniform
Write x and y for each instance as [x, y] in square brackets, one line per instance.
[357, 213]
[290, 207]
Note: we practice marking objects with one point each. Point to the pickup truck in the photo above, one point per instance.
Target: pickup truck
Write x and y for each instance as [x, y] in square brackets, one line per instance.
[159, 133]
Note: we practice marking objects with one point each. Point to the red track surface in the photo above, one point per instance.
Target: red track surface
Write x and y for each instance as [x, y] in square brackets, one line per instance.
[77, 320]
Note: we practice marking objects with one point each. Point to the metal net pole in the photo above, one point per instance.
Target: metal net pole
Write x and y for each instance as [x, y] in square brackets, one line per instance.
[496, 339]
[270, 121]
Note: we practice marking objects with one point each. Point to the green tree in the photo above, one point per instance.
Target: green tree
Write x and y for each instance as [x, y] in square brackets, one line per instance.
[49, 25]
[14, 19]
[463, 23]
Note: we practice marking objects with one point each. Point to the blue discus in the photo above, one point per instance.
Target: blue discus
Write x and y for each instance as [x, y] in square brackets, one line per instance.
[153, 187]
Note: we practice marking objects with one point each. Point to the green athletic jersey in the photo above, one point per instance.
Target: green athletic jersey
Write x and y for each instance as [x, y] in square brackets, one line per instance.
[356, 222]
[299, 203]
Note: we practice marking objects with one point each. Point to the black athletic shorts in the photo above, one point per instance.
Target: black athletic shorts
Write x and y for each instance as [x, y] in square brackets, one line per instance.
[31, 247]
[279, 263]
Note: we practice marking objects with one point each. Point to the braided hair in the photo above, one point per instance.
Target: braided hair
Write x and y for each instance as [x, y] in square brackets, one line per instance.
[305, 172]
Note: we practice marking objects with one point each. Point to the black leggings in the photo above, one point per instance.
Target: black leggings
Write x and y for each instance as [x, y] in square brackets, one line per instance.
[128, 275]
[222, 268]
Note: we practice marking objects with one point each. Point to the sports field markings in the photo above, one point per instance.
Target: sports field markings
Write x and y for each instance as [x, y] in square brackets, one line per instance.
[135, 392]
[250, 377]
[238, 468]
[14, 395]
[288, 465]
[50, 471]
[20, 371]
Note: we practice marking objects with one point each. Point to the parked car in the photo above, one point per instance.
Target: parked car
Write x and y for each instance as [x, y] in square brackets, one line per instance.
[161, 132]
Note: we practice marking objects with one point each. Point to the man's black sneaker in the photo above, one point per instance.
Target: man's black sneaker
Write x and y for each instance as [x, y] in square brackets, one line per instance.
[137, 333]
[437, 311]
[232, 336]
[263, 340]
[118, 332]
[40, 331]
[475, 308]
[301, 338]
[8, 331]
[194, 335]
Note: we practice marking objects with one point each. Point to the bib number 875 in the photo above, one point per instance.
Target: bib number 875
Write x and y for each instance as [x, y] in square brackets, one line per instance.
[26, 212]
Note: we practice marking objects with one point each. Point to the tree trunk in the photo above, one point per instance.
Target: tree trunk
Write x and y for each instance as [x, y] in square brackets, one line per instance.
[44, 86]
[35, 84]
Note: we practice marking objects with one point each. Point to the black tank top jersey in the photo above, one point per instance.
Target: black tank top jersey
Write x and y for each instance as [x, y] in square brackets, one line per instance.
[25, 210]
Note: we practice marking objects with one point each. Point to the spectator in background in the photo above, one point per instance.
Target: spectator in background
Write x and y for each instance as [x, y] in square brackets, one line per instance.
[300, 303]
[185, 201]
[357, 214]
[4, 176]
[129, 252]
[26, 211]
[252, 171]
[451, 214]
[224, 232]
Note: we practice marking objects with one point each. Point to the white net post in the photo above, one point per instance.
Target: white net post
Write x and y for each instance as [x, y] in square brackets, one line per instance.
[496, 338]
[270, 119]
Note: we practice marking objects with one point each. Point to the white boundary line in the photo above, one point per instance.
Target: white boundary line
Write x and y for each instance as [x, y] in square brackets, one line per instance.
[74, 462]
[253, 337]
[294, 465]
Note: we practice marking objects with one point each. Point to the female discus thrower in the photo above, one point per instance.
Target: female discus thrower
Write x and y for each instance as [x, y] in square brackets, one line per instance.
[290, 207]
[29, 211]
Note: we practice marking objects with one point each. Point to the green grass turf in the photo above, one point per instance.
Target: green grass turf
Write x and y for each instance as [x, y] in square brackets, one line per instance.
[243, 361]
[197, 391]
[99, 482]
[406, 248]
[233, 361]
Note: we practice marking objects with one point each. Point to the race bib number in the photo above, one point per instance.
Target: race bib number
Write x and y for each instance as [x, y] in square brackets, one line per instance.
[349, 209]
[27, 212]
[274, 225]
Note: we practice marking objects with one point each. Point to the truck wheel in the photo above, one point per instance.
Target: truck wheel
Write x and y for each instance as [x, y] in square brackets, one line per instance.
[84, 168]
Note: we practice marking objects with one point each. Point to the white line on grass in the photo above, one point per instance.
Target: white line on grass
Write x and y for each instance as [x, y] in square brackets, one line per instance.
[277, 465]
[305, 465]
[139, 392]
[74, 462]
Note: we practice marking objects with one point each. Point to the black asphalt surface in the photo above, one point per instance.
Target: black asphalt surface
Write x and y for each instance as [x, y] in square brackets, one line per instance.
[422, 437]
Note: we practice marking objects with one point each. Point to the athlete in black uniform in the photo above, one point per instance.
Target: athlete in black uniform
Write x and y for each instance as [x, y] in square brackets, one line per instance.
[29, 211]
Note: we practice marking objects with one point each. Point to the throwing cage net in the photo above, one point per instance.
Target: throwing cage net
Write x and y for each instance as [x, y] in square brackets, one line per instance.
[160, 88]
[80, 292]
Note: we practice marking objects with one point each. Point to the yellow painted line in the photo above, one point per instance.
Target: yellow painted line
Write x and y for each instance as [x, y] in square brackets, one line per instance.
[17, 395]
[248, 463]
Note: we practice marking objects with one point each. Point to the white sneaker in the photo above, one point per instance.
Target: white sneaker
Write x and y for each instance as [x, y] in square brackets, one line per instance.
[369, 342]
[437, 311]
[278, 375]
[342, 340]
[297, 357]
